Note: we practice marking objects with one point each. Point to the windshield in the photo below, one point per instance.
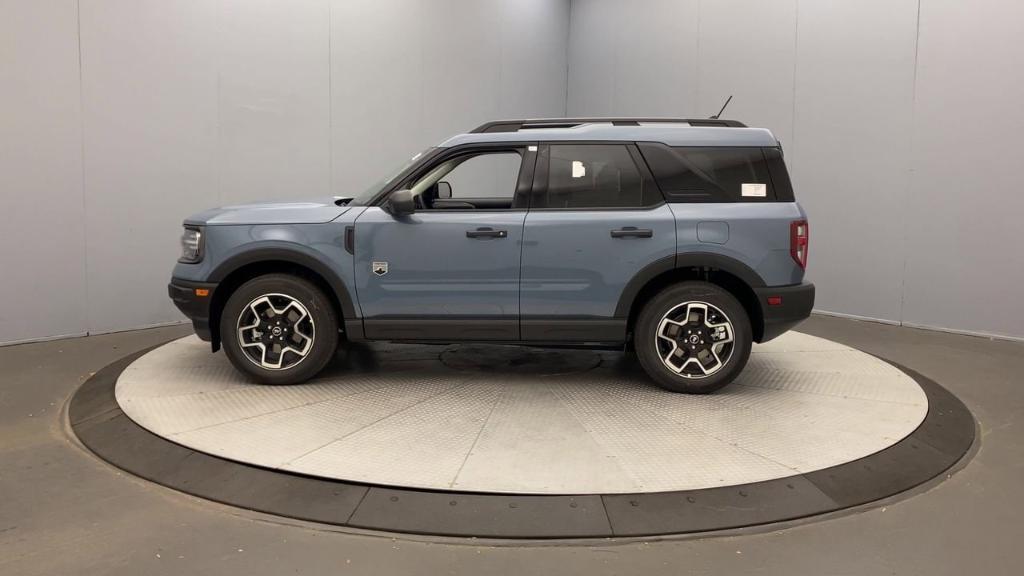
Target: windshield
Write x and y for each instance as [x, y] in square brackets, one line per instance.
[366, 195]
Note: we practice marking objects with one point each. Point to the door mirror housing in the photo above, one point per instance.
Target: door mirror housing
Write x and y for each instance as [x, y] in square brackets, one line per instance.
[401, 203]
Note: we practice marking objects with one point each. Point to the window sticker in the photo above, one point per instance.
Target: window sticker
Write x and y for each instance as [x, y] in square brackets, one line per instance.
[755, 190]
[579, 170]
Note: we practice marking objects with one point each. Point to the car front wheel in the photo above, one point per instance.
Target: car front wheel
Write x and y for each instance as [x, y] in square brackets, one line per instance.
[279, 329]
[693, 337]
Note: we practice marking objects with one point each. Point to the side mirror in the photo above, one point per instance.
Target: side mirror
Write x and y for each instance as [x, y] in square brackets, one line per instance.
[401, 202]
[444, 190]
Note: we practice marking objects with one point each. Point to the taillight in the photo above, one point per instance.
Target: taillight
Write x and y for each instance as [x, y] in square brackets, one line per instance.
[798, 236]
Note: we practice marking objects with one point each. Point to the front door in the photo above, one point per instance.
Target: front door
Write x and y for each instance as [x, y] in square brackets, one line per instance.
[596, 219]
[450, 270]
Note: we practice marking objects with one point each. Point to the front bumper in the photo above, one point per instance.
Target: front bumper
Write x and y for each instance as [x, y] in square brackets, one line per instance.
[196, 307]
[795, 304]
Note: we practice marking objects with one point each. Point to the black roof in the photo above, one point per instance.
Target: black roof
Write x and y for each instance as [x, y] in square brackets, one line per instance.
[517, 125]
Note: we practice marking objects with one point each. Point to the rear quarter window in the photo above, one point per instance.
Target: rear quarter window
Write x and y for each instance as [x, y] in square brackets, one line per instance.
[716, 174]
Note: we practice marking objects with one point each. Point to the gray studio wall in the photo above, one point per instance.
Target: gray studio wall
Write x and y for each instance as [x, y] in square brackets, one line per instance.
[901, 123]
[120, 117]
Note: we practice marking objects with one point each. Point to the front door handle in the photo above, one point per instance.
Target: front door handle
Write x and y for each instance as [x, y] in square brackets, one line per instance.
[486, 233]
[632, 232]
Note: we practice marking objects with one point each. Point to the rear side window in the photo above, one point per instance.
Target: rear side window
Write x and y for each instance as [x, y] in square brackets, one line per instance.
[710, 174]
[594, 176]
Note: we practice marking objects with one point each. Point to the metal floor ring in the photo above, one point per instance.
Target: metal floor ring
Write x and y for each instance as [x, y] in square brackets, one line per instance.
[496, 419]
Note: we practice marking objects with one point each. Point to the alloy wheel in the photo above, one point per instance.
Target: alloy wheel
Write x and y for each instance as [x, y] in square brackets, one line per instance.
[275, 331]
[695, 339]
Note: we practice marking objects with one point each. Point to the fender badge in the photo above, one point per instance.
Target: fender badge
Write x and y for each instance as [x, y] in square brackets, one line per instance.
[379, 268]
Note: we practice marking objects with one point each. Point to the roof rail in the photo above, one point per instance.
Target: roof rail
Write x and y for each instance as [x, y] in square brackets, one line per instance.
[517, 125]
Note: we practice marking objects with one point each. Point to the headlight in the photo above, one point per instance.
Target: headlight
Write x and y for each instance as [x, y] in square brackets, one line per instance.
[191, 246]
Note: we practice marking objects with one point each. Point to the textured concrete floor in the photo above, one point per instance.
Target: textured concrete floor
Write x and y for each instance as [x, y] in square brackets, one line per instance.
[62, 511]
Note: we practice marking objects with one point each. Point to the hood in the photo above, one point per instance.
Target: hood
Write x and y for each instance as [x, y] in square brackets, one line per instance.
[316, 211]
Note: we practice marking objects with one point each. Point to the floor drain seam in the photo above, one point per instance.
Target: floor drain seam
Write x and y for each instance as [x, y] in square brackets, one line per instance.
[717, 438]
[247, 386]
[381, 419]
[558, 393]
[500, 397]
[348, 519]
[279, 411]
[792, 391]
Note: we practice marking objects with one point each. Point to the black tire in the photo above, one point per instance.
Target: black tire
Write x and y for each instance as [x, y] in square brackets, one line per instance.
[669, 300]
[323, 328]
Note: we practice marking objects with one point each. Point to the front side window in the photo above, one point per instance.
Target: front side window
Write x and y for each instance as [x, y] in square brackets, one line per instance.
[593, 176]
[484, 180]
[485, 176]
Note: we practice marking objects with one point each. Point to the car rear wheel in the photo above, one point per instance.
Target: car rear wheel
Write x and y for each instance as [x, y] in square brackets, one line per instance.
[693, 337]
[279, 329]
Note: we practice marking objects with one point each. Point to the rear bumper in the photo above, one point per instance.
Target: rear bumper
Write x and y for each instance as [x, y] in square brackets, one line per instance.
[795, 306]
[195, 307]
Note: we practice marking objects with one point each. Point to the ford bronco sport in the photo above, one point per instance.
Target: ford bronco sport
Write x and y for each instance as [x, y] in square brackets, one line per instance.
[678, 238]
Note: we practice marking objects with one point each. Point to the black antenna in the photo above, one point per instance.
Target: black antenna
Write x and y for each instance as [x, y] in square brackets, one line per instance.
[729, 99]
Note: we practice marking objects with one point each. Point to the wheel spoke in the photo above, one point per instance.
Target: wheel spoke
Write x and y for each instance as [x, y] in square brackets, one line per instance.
[667, 359]
[255, 312]
[669, 329]
[712, 368]
[690, 317]
[718, 360]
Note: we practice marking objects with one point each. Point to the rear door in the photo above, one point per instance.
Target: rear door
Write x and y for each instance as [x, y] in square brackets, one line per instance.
[596, 219]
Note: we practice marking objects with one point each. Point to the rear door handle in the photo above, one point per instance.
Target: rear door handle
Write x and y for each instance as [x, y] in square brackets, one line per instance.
[486, 233]
[632, 232]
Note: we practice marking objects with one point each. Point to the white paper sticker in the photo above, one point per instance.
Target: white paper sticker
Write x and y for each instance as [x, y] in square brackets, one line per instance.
[758, 190]
[579, 170]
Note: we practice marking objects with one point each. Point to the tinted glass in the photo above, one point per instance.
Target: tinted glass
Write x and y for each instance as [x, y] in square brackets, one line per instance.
[710, 174]
[592, 176]
[485, 180]
[783, 188]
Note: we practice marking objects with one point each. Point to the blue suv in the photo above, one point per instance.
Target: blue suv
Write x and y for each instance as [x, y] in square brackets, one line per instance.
[678, 238]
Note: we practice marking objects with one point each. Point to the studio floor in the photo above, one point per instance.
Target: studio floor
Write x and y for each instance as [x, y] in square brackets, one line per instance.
[65, 511]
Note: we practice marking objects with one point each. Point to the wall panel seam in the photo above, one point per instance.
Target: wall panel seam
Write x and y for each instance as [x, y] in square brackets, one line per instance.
[568, 41]
[85, 300]
[330, 97]
[909, 189]
[796, 59]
